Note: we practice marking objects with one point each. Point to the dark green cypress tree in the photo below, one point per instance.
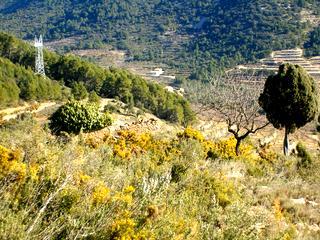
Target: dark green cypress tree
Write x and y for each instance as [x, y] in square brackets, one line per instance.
[289, 99]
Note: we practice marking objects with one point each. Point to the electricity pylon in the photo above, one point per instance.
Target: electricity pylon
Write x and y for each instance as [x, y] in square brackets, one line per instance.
[39, 68]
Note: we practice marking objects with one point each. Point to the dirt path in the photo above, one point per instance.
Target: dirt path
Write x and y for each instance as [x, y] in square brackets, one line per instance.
[12, 113]
[8, 111]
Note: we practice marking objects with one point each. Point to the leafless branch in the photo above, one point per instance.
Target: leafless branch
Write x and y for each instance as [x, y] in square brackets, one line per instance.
[235, 98]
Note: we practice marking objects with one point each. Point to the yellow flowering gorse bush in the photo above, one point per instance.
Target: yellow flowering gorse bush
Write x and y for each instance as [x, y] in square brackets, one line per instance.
[130, 143]
[128, 186]
[11, 165]
[100, 194]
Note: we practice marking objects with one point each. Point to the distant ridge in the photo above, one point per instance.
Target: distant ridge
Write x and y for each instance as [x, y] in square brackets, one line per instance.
[197, 36]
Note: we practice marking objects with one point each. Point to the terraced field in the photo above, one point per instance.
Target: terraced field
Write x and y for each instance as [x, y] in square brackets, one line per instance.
[294, 56]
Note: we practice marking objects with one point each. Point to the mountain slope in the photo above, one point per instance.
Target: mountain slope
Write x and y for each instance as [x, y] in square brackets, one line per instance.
[110, 83]
[183, 34]
[17, 82]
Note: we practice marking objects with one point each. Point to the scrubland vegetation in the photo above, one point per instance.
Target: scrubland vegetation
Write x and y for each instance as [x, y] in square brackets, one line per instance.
[143, 186]
[74, 117]
[65, 179]
[18, 83]
[74, 172]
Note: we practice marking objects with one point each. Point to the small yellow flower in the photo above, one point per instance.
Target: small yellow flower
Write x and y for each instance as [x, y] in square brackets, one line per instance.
[11, 165]
[192, 134]
[84, 178]
[100, 194]
[129, 189]
[33, 171]
[277, 209]
[19, 170]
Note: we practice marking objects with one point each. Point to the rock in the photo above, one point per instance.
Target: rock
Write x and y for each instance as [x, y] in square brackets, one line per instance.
[298, 201]
[312, 203]
[314, 228]
[235, 174]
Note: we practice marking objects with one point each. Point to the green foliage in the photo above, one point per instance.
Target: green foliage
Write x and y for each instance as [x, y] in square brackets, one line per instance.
[313, 43]
[17, 82]
[223, 190]
[110, 83]
[79, 91]
[52, 189]
[74, 117]
[177, 172]
[210, 34]
[93, 97]
[112, 108]
[9, 92]
[305, 157]
[290, 98]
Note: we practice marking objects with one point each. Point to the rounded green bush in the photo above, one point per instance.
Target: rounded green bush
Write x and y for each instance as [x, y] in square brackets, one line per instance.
[75, 116]
[305, 157]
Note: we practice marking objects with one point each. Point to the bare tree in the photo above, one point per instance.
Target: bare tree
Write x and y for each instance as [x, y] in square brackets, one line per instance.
[234, 99]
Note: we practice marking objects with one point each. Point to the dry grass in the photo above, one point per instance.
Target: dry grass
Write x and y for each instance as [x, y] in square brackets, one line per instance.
[81, 189]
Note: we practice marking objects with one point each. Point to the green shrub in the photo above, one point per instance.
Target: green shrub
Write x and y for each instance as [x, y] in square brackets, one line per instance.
[305, 158]
[75, 116]
[79, 91]
[177, 172]
[112, 108]
[218, 186]
[9, 92]
[93, 97]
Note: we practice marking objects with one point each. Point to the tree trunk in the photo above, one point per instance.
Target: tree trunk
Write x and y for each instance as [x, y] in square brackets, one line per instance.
[238, 146]
[286, 142]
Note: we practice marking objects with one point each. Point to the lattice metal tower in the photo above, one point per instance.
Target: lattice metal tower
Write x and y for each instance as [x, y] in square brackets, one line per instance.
[38, 43]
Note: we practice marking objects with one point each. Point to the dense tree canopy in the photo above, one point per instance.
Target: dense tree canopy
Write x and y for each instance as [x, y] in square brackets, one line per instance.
[17, 82]
[313, 44]
[201, 35]
[79, 91]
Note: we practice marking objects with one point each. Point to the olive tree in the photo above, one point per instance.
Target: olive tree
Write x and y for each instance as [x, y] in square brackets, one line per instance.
[234, 99]
[289, 99]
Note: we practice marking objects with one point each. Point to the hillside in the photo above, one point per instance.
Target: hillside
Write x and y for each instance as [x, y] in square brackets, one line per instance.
[73, 72]
[150, 181]
[18, 83]
[142, 178]
[294, 56]
[208, 34]
[95, 152]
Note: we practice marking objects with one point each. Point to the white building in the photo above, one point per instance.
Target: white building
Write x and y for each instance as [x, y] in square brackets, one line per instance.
[157, 72]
